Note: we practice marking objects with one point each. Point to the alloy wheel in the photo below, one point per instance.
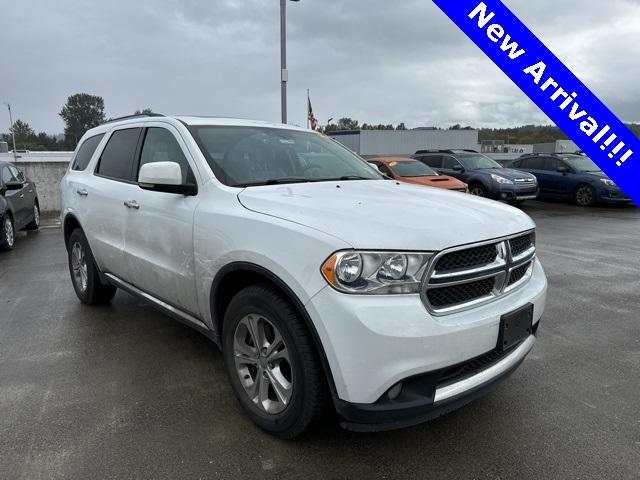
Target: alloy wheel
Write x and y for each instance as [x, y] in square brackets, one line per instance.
[584, 196]
[263, 363]
[79, 267]
[8, 232]
[477, 191]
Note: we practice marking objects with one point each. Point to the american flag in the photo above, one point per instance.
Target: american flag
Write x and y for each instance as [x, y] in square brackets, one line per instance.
[312, 119]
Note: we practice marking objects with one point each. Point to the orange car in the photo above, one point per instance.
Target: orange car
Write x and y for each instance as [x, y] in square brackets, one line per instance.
[412, 171]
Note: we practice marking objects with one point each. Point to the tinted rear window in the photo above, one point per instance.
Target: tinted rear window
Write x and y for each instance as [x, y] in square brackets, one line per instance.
[86, 151]
[117, 157]
[434, 161]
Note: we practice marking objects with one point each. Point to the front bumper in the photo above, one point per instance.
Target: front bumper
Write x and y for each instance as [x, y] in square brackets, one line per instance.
[515, 192]
[613, 195]
[374, 342]
[425, 400]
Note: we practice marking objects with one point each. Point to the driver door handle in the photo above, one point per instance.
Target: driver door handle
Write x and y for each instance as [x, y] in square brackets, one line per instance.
[82, 193]
[132, 204]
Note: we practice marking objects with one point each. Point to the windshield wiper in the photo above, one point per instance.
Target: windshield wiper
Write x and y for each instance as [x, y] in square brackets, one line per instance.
[345, 177]
[275, 181]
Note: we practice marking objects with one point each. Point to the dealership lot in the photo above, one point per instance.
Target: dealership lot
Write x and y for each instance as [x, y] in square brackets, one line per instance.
[123, 391]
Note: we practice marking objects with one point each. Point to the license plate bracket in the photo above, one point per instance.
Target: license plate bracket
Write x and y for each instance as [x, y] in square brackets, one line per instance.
[514, 327]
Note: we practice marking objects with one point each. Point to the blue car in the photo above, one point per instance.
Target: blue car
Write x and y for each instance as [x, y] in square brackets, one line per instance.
[571, 177]
[485, 177]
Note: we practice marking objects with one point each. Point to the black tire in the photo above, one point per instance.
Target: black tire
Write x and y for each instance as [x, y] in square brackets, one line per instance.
[90, 291]
[477, 190]
[7, 233]
[35, 223]
[585, 195]
[308, 384]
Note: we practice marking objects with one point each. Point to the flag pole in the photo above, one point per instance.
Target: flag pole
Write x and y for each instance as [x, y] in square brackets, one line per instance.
[308, 99]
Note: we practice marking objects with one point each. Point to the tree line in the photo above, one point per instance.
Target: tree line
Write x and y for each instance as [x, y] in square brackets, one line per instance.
[526, 134]
[82, 112]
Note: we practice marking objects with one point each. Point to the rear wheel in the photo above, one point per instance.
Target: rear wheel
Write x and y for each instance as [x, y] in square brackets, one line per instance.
[585, 195]
[272, 362]
[84, 273]
[35, 223]
[7, 234]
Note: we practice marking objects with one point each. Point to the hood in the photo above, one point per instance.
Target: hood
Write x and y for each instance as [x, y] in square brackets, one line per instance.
[388, 215]
[595, 174]
[510, 173]
[439, 181]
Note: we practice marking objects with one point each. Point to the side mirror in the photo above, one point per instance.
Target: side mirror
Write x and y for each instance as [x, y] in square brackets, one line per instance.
[14, 185]
[458, 168]
[164, 177]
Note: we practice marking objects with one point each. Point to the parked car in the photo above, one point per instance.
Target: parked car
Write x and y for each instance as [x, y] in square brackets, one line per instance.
[19, 207]
[322, 282]
[572, 177]
[412, 171]
[485, 177]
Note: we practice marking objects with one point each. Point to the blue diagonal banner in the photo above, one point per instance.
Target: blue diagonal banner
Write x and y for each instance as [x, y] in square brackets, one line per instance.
[552, 87]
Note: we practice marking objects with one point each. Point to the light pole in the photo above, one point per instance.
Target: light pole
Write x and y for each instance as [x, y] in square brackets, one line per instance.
[13, 135]
[284, 74]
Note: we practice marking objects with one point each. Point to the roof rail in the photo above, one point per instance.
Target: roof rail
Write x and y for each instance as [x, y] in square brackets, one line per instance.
[469, 150]
[433, 151]
[127, 117]
[538, 154]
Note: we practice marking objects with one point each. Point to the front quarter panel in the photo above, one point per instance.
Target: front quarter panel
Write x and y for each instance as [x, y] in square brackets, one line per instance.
[225, 233]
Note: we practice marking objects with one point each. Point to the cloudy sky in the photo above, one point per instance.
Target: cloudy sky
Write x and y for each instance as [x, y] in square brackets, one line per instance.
[373, 60]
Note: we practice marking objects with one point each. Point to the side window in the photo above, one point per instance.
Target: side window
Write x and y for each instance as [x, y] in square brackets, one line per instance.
[434, 161]
[551, 164]
[85, 152]
[17, 174]
[533, 163]
[116, 160]
[161, 146]
[449, 162]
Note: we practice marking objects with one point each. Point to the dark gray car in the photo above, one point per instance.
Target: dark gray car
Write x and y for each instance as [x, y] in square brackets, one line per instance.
[19, 208]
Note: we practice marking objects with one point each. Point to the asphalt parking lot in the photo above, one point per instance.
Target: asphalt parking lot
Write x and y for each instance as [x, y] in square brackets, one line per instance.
[124, 392]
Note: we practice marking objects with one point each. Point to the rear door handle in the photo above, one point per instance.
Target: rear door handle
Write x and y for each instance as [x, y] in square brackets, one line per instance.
[82, 193]
[132, 204]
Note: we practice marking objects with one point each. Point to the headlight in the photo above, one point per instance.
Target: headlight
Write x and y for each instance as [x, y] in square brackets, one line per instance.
[376, 273]
[608, 183]
[499, 179]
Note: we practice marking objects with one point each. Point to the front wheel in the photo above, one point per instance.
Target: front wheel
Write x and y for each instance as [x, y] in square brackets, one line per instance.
[35, 223]
[84, 273]
[477, 190]
[7, 234]
[271, 362]
[585, 196]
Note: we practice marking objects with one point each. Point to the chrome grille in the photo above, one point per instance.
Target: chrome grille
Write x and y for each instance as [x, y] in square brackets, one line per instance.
[521, 244]
[471, 257]
[442, 297]
[517, 274]
[468, 276]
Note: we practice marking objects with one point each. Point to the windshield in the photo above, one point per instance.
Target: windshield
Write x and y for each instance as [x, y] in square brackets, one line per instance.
[582, 164]
[476, 161]
[253, 156]
[411, 169]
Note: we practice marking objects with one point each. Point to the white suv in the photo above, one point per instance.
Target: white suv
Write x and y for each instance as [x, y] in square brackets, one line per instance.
[323, 282]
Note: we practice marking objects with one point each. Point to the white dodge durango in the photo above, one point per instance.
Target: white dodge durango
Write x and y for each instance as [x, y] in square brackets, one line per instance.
[323, 282]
